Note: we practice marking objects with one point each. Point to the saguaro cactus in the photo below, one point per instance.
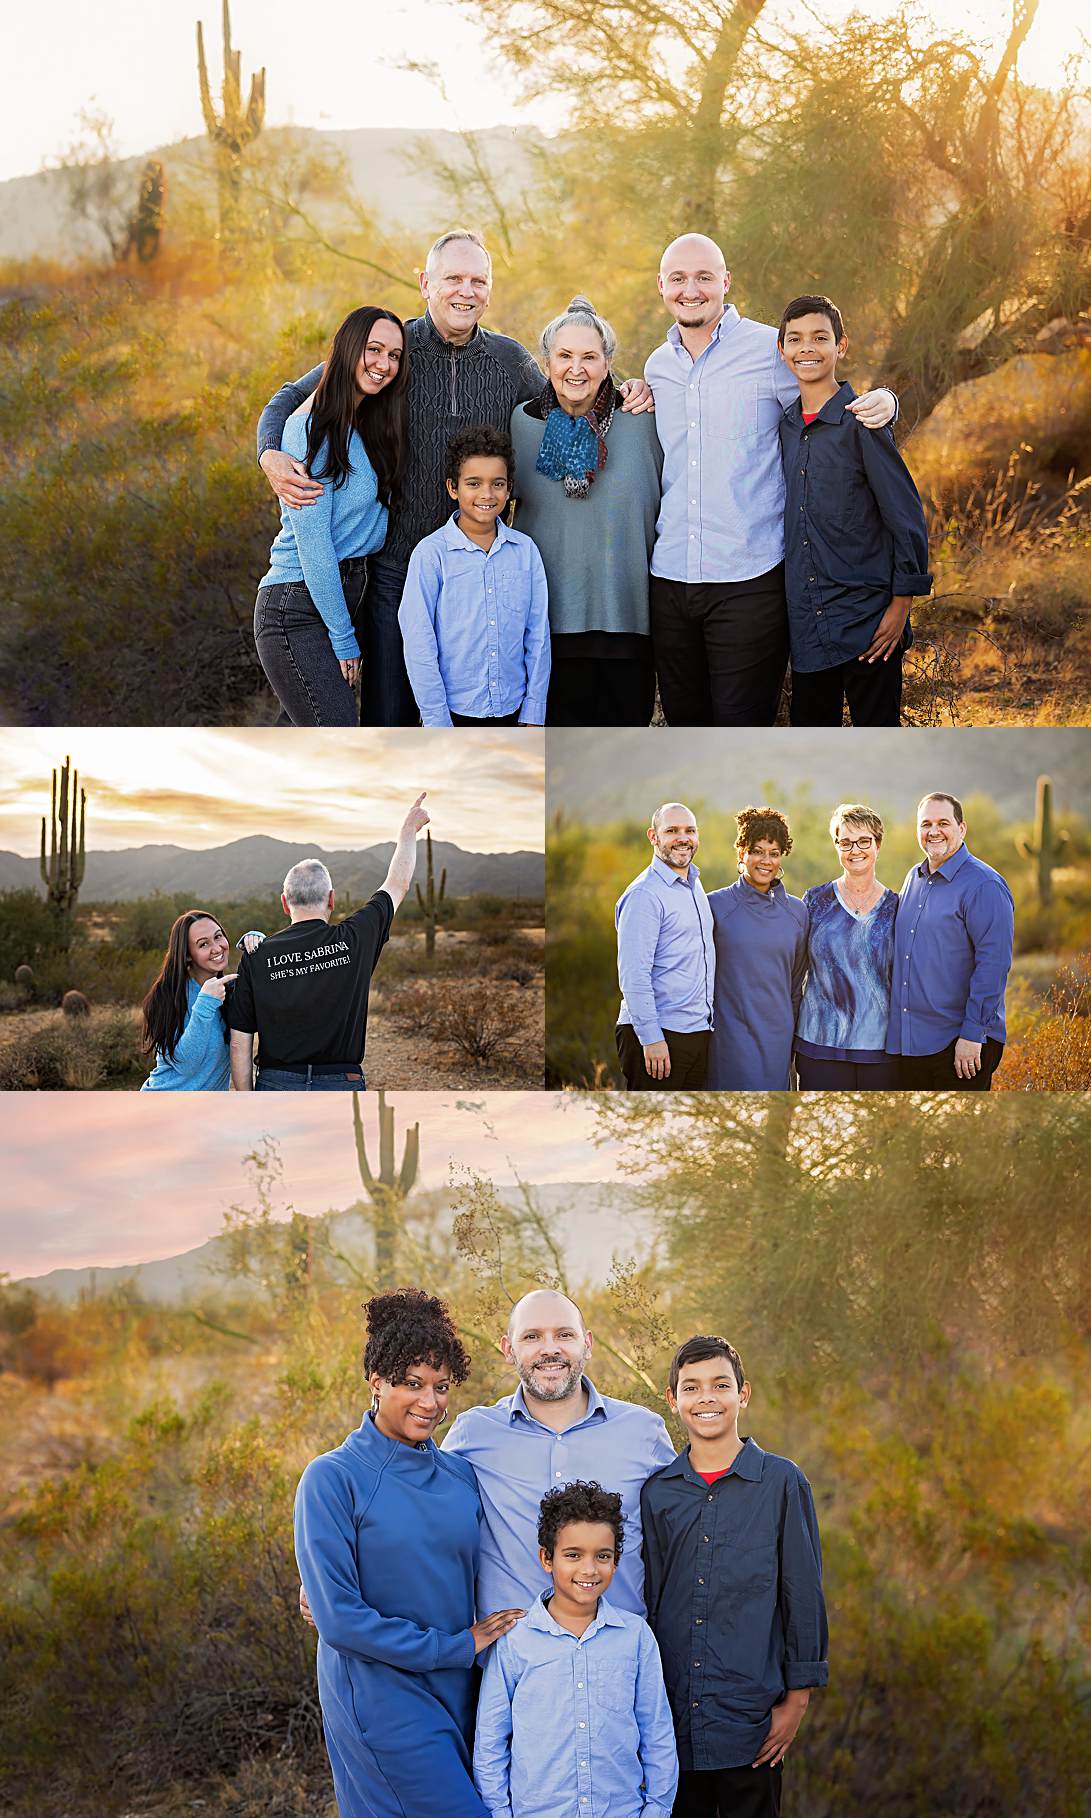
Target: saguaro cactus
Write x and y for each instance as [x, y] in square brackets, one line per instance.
[1045, 849]
[62, 875]
[232, 130]
[390, 1189]
[430, 899]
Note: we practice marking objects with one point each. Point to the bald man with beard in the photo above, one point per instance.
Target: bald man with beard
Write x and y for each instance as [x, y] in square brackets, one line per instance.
[718, 613]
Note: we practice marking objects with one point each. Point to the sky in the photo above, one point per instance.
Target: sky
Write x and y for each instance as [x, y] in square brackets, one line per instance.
[132, 1179]
[135, 60]
[202, 788]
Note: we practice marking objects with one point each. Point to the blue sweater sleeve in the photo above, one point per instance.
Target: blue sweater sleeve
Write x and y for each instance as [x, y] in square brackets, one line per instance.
[204, 1025]
[536, 646]
[312, 527]
[417, 618]
[280, 407]
[325, 1550]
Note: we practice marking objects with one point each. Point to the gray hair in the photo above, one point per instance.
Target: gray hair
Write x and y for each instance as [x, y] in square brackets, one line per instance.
[584, 315]
[308, 885]
[456, 233]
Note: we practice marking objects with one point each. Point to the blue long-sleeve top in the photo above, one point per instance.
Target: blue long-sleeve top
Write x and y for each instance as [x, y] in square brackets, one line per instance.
[850, 963]
[475, 627]
[854, 532]
[344, 521]
[569, 1724]
[201, 1061]
[666, 962]
[761, 956]
[953, 940]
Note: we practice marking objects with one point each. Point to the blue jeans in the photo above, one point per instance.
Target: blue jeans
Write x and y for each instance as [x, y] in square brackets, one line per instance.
[273, 1079]
[297, 656]
[386, 698]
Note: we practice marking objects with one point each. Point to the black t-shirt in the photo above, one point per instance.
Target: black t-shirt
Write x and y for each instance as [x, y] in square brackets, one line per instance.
[304, 990]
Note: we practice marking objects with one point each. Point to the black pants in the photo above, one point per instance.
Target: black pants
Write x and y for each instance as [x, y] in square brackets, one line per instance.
[601, 691]
[846, 1076]
[689, 1060]
[744, 1792]
[506, 719]
[873, 692]
[936, 1072]
[721, 649]
[386, 698]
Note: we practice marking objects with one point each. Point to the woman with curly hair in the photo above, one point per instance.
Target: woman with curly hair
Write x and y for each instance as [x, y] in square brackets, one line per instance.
[184, 1025]
[386, 1539]
[760, 934]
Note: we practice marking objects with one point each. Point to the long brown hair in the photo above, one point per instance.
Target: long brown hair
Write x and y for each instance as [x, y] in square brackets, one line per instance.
[336, 410]
[166, 1004]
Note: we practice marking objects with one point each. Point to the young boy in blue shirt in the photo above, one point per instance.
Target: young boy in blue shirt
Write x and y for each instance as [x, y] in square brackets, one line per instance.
[573, 1716]
[474, 611]
[855, 541]
[733, 1586]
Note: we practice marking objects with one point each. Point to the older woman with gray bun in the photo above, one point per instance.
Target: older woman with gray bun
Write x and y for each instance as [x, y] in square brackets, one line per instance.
[588, 485]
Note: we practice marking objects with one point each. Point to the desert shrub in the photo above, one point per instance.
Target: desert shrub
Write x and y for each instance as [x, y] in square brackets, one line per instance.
[1053, 1053]
[475, 1016]
[62, 1056]
[29, 930]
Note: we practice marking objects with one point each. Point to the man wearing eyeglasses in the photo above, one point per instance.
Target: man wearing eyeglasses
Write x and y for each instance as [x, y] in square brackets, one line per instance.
[666, 963]
[952, 955]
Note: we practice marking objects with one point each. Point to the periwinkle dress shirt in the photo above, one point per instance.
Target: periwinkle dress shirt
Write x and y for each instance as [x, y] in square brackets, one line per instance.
[718, 419]
[666, 959]
[575, 1726]
[516, 1459]
[475, 627]
[953, 940]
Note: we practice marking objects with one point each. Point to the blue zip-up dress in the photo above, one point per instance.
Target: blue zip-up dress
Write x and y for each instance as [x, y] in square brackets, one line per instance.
[761, 958]
[386, 1539]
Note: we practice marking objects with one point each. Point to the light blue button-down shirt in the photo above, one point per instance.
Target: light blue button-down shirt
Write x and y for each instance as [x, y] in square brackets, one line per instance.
[475, 627]
[952, 954]
[718, 419]
[516, 1459]
[666, 956]
[573, 1727]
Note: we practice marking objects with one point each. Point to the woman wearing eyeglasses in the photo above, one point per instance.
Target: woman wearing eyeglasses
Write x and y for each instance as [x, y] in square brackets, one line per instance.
[841, 1032]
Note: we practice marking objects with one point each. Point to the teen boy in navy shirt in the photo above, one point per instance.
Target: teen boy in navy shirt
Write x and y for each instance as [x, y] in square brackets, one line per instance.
[856, 546]
[733, 1585]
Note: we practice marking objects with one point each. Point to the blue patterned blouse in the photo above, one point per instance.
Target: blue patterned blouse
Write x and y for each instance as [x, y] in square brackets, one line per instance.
[850, 962]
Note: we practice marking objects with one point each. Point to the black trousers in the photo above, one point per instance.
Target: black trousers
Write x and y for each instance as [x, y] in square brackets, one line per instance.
[499, 719]
[601, 691]
[936, 1072]
[689, 1060]
[846, 1076]
[744, 1792]
[872, 690]
[721, 649]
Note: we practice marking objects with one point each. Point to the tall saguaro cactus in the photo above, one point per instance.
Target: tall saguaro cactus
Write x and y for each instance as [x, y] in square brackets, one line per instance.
[387, 1192]
[1045, 849]
[431, 899]
[233, 129]
[62, 873]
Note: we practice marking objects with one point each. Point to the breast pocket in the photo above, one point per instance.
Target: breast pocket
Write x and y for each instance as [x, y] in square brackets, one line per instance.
[734, 403]
[613, 1685]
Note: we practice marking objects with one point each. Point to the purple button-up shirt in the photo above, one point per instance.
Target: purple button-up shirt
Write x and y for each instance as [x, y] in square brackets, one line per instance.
[952, 955]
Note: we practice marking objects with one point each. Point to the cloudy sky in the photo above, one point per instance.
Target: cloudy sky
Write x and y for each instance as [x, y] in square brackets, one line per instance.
[135, 60]
[129, 1180]
[200, 789]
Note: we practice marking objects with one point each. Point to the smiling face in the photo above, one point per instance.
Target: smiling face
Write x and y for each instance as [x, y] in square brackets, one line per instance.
[694, 281]
[576, 367]
[583, 1561]
[548, 1345]
[708, 1399]
[482, 490]
[858, 849]
[811, 349]
[410, 1411]
[939, 833]
[457, 284]
[761, 864]
[674, 836]
[208, 948]
[381, 359]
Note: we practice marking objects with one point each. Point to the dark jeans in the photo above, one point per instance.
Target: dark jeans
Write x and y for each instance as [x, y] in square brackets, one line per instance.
[601, 691]
[273, 1079]
[296, 653]
[497, 719]
[386, 698]
[742, 1792]
[936, 1072]
[846, 1076]
[873, 692]
[689, 1060]
[721, 649]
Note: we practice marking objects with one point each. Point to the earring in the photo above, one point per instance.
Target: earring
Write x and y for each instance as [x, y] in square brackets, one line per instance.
[443, 1417]
[374, 1402]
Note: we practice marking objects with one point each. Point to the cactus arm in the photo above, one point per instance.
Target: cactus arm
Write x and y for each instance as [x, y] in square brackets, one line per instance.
[386, 1142]
[410, 1160]
[207, 109]
[361, 1150]
[442, 885]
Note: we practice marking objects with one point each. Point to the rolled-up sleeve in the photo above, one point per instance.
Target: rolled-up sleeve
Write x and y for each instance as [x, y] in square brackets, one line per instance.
[990, 923]
[803, 1605]
[639, 920]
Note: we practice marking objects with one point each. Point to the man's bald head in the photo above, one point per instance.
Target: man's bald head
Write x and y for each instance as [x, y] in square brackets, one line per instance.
[543, 1304]
[690, 249]
[693, 281]
[549, 1344]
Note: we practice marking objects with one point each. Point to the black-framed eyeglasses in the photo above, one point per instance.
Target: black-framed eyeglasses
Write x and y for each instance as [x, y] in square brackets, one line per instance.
[865, 840]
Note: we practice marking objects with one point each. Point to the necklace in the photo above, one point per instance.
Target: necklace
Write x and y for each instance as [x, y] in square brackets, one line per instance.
[861, 904]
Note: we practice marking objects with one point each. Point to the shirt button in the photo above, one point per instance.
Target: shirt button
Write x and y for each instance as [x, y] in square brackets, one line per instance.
[583, 1726]
[700, 1619]
[710, 1497]
[693, 425]
[558, 1473]
[700, 1581]
[697, 1663]
[579, 1685]
[696, 1703]
[704, 1537]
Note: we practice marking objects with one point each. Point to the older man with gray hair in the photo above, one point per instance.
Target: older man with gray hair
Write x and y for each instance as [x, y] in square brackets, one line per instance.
[306, 996]
[666, 963]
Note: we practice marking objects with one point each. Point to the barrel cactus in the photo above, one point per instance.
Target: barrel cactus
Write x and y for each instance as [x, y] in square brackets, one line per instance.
[75, 1005]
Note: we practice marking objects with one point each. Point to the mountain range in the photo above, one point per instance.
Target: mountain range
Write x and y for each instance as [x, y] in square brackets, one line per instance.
[256, 865]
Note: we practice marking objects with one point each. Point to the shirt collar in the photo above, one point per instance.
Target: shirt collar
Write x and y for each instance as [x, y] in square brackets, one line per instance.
[457, 539]
[663, 870]
[595, 1403]
[538, 1617]
[748, 1464]
[833, 410]
[432, 334]
[950, 866]
[729, 319]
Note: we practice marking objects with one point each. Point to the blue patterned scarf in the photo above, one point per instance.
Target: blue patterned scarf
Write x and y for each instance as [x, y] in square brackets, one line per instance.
[574, 448]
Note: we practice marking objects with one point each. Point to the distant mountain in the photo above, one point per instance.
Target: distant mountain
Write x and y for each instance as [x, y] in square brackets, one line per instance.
[256, 865]
[588, 1220]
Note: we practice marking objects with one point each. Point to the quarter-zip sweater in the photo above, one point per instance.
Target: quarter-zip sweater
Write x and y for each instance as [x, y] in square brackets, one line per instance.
[449, 388]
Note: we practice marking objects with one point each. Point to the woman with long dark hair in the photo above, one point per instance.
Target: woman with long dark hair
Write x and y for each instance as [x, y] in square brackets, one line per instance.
[311, 605]
[386, 1540]
[184, 1025]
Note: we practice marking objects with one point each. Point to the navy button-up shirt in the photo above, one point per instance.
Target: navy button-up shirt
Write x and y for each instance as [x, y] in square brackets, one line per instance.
[952, 954]
[854, 532]
[666, 956]
[733, 1585]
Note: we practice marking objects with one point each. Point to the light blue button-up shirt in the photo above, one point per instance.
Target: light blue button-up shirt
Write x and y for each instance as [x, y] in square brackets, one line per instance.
[475, 627]
[573, 1727]
[516, 1459]
[952, 954]
[666, 957]
[718, 419]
